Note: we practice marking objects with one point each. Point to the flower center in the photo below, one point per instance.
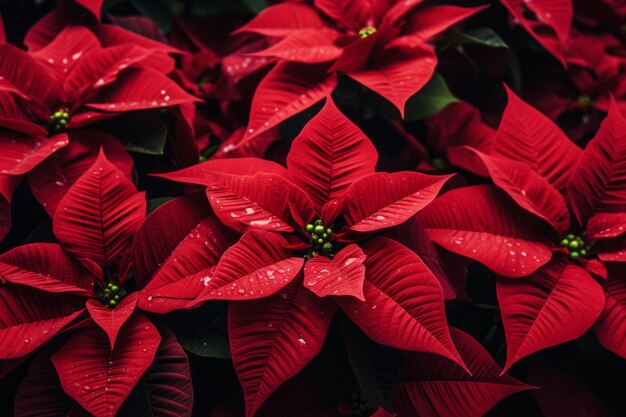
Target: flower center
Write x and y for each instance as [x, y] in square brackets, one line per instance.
[112, 294]
[367, 31]
[320, 238]
[58, 121]
[575, 246]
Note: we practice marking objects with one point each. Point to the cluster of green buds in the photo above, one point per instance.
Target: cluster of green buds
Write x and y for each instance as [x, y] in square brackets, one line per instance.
[320, 238]
[112, 295]
[440, 164]
[358, 402]
[575, 246]
[367, 31]
[59, 120]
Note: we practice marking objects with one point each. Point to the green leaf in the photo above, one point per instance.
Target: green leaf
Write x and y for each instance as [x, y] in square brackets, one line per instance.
[255, 6]
[202, 331]
[432, 98]
[480, 36]
[140, 131]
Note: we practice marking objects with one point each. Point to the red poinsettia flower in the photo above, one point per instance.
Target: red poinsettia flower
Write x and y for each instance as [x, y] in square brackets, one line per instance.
[299, 259]
[47, 287]
[71, 82]
[523, 227]
[381, 44]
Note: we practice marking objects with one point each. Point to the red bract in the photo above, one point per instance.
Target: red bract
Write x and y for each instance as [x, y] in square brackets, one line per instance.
[548, 21]
[46, 289]
[69, 83]
[432, 387]
[381, 44]
[525, 230]
[310, 215]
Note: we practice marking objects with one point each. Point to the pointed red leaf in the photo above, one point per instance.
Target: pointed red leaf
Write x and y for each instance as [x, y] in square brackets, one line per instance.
[606, 225]
[282, 19]
[263, 201]
[434, 387]
[414, 236]
[526, 135]
[399, 288]
[343, 275]
[112, 319]
[398, 73]
[7, 185]
[484, 224]
[15, 114]
[271, 340]
[286, 90]
[311, 46]
[100, 214]
[29, 318]
[40, 393]
[44, 30]
[530, 190]
[20, 153]
[611, 325]
[597, 182]
[427, 21]
[178, 239]
[99, 379]
[384, 200]
[255, 267]
[167, 383]
[329, 154]
[355, 14]
[551, 25]
[52, 179]
[103, 66]
[556, 304]
[200, 174]
[46, 267]
[30, 77]
[138, 89]
[68, 48]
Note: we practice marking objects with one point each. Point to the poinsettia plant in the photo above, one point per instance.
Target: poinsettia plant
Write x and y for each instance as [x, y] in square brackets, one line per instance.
[312, 208]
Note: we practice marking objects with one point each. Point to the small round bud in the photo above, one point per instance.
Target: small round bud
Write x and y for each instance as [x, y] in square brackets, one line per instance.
[116, 297]
[564, 242]
[320, 241]
[58, 114]
[327, 247]
[571, 237]
[109, 285]
[112, 303]
[329, 231]
[324, 235]
[583, 252]
[574, 255]
[319, 229]
[309, 227]
[115, 288]
[65, 115]
[106, 291]
[574, 244]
